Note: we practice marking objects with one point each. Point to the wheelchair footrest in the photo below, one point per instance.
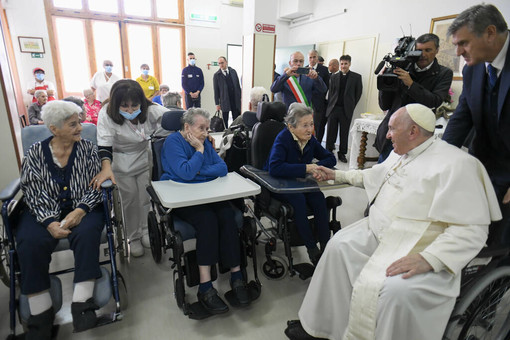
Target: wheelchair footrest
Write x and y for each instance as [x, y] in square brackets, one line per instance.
[254, 290]
[105, 319]
[305, 270]
[197, 312]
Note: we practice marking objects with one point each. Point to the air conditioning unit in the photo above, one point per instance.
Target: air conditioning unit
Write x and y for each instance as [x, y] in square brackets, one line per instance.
[293, 9]
[237, 3]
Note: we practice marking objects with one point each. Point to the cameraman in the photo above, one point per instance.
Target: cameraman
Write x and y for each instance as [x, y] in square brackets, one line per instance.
[426, 83]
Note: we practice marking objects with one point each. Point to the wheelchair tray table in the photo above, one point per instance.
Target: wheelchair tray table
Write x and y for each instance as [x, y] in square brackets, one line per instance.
[287, 185]
[176, 195]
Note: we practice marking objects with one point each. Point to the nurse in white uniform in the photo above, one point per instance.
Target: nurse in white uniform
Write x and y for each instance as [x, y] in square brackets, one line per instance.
[124, 127]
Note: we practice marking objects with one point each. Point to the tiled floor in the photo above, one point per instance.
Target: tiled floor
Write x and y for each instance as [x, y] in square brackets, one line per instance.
[153, 314]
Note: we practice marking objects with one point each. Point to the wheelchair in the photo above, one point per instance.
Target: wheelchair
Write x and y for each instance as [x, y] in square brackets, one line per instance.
[169, 232]
[482, 310]
[280, 214]
[110, 283]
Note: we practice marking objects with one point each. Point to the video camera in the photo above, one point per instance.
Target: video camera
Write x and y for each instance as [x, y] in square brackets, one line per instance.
[405, 56]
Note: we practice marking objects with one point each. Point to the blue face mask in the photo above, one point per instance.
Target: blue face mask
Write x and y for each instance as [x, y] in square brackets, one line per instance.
[39, 76]
[130, 116]
[108, 69]
[192, 62]
[145, 72]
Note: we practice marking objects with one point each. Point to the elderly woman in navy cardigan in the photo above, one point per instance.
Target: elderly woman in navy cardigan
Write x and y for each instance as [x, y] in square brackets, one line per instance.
[189, 157]
[291, 156]
[55, 180]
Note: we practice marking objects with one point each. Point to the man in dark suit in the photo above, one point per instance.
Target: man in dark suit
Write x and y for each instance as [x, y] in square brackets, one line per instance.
[345, 89]
[319, 99]
[482, 38]
[425, 83]
[227, 90]
[298, 87]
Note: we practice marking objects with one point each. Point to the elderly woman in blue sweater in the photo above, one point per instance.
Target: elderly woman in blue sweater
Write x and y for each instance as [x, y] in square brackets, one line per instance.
[189, 157]
[292, 154]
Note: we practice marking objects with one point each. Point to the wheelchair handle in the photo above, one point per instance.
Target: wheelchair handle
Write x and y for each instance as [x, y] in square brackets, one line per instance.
[107, 184]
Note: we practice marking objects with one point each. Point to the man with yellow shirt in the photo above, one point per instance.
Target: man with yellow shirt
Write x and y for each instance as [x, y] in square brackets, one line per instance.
[396, 273]
[149, 84]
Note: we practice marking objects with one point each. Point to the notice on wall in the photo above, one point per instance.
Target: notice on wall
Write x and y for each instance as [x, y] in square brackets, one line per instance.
[264, 28]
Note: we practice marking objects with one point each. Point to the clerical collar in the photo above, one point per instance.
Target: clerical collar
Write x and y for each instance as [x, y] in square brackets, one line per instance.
[426, 68]
[420, 148]
[346, 73]
[499, 61]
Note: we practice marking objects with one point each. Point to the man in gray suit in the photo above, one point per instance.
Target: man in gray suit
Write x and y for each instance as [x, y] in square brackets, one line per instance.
[345, 89]
[227, 90]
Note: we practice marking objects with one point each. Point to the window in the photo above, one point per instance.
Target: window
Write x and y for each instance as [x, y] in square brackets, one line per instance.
[86, 32]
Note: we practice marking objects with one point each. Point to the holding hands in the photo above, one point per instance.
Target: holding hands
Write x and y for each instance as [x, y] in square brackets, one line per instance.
[322, 173]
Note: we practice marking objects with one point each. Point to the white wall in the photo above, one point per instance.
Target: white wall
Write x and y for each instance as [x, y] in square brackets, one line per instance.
[29, 23]
[376, 18]
[209, 41]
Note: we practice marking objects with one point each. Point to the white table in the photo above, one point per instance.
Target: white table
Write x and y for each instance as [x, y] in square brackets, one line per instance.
[177, 195]
[362, 136]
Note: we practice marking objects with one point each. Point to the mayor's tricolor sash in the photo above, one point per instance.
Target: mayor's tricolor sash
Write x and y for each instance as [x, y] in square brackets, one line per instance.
[298, 92]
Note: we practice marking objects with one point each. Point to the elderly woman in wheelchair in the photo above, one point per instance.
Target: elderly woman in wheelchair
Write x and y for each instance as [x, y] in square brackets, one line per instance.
[55, 178]
[189, 156]
[291, 156]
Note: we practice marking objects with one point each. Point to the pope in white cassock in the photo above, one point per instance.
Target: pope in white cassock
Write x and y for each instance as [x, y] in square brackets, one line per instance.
[395, 274]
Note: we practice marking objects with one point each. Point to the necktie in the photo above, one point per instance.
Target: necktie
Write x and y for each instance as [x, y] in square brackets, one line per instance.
[493, 75]
[225, 72]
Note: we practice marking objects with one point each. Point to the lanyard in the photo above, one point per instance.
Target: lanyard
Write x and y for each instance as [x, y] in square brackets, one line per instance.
[139, 130]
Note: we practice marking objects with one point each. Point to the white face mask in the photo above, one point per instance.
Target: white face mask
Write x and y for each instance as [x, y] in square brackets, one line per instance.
[192, 62]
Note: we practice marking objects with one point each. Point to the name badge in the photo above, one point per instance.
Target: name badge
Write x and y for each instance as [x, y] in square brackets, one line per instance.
[151, 87]
[190, 76]
[198, 75]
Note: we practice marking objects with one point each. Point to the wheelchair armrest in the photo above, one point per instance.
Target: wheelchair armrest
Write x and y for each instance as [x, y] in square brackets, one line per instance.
[153, 195]
[10, 190]
[107, 184]
[493, 251]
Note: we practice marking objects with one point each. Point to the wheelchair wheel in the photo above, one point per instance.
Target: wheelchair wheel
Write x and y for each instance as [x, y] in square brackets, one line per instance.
[276, 269]
[123, 294]
[483, 312]
[154, 236]
[119, 226]
[179, 292]
[4, 258]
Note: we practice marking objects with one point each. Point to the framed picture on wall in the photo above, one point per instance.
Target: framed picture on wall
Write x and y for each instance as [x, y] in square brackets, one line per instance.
[31, 45]
[447, 51]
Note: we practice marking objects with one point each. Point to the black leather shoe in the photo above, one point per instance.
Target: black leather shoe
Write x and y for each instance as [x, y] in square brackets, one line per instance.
[212, 302]
[341, 157]
[241, 292]
[295, 331]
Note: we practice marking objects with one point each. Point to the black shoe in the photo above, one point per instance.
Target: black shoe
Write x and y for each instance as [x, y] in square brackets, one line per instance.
[241, 292]
[314, 254]
[341, 157]
[212, 302]
[84, 315]
[295, 331]
[40, 326]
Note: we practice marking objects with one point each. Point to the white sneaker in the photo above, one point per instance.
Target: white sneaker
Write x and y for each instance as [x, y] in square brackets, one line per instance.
[146, 241]
[136, 248]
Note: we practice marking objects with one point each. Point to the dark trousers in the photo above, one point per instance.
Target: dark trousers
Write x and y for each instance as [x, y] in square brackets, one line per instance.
[235, 114]
[35, 245]
[320, 120]
[386, 150]
[317, 202]
[216, 233]
[192, 102]
[500, 230]
[336, 118]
